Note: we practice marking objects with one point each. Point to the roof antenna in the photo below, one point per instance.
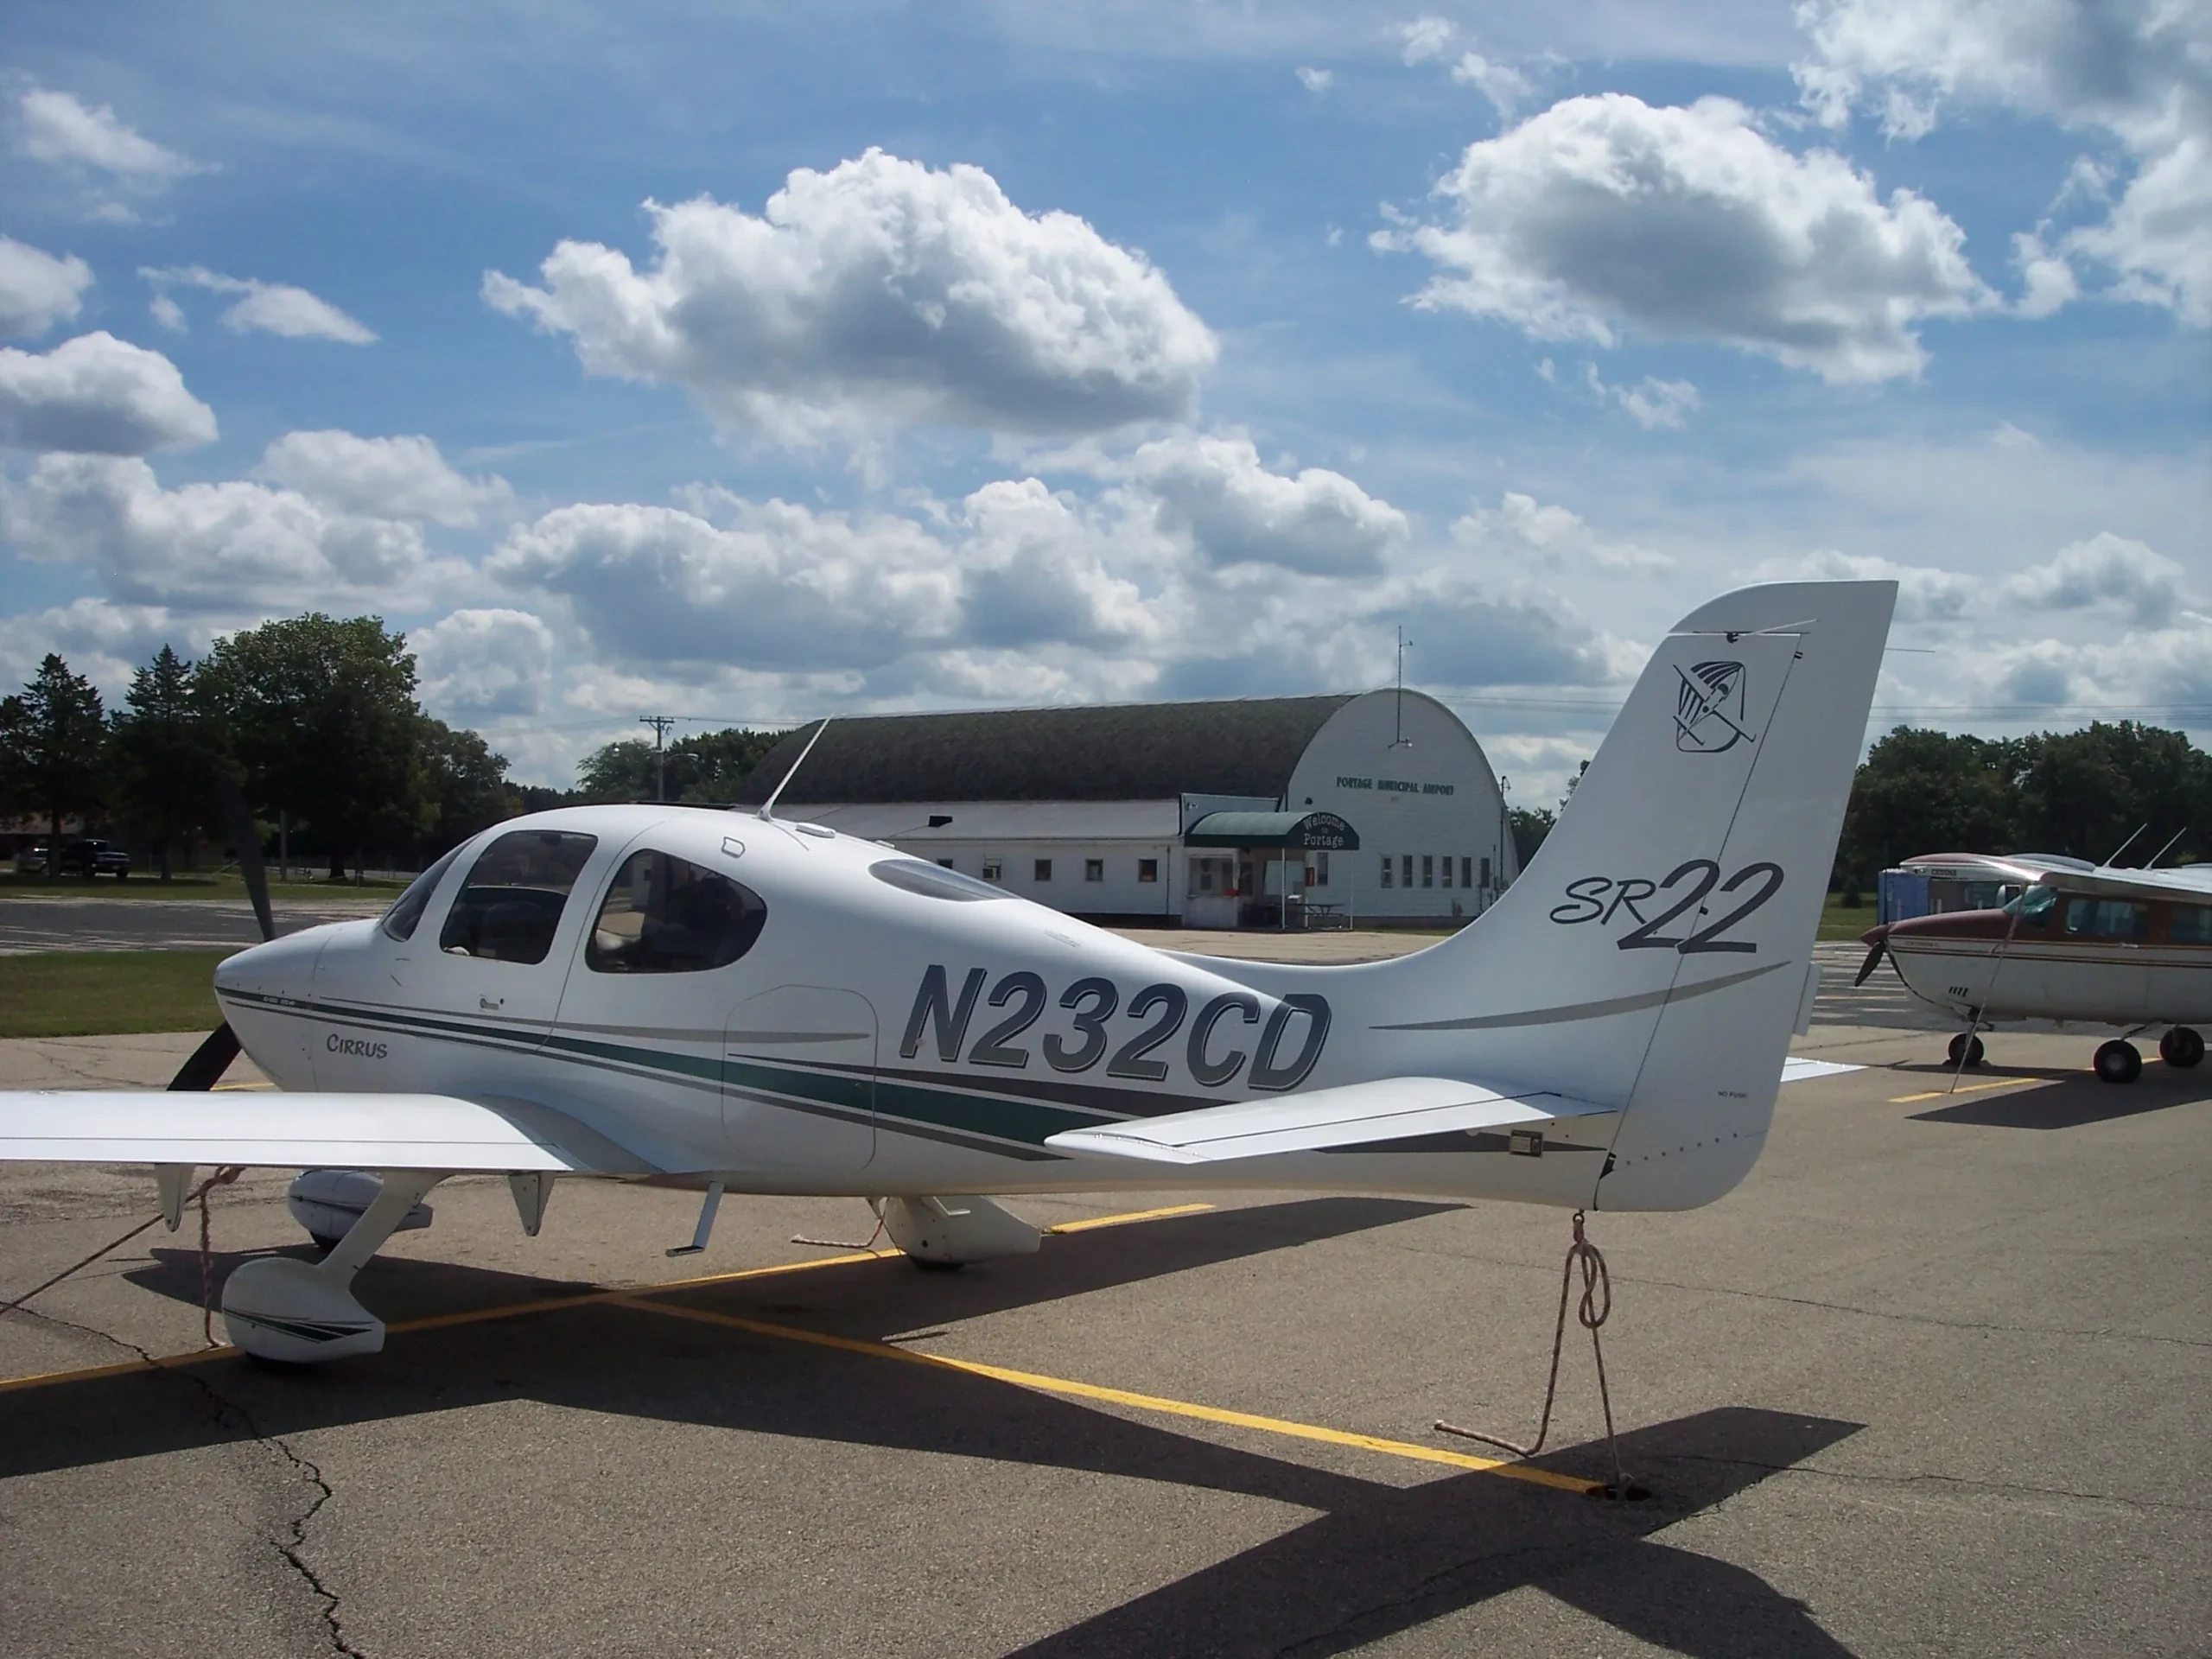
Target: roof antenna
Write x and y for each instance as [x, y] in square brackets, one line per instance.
[2168, 847]
[1399, 740]
[767, 813]
[2117, 851]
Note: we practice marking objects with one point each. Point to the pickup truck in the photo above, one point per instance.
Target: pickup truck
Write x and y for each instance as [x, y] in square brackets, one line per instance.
[86, 858]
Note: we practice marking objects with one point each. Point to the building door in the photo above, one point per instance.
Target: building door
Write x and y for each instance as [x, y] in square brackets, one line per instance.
[1209, 899]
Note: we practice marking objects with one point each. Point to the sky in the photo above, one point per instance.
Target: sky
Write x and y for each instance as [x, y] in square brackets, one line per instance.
[747, 364]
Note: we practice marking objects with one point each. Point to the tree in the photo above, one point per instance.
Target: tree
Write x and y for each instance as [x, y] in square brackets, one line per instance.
[1926, 791]
[706, 768]
[53, 739]
[167, 753]
[1531, 826]
[2086, 792]
[320, 713]
[466, 782]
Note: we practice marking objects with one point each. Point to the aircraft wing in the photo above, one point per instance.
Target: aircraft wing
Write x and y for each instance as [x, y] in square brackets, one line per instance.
[304, 1131]
[1355, 1114]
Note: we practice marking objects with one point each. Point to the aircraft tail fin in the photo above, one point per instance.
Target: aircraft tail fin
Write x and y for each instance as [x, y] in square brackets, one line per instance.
[1655, 955]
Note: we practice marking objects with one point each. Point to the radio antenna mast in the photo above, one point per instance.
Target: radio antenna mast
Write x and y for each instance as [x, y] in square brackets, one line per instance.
[767, 813]
[1400, 741]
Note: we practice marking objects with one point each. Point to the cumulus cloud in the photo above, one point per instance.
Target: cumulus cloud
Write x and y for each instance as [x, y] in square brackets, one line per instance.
[1523, 531]
[97, 395]
[478, 664]
[2109, 571]
[783, 588]
[1426, 38]
[879, 292]
[1216, 492]
[1034, 571]
[36, 289]
[2137, 70]
[382, 478]
[1925, 592]
[1506, 87]
[1604, 212]
[56, 128]
[1474, 641]
[1316, 80]
[271, 307]
[1650, 403]
[98, 638]
[233, 546]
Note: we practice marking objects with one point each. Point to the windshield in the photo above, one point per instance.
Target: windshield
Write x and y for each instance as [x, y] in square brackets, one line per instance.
[2034, 907]
[407, 909]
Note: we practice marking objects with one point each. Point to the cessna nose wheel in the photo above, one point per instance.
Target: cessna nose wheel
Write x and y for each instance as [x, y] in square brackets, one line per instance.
[2119, 1061]
[2181, 1047]
[1966, 1049]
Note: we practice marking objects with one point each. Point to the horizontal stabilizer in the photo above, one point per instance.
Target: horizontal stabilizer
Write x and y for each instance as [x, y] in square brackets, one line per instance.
[304, 1131]
[1386, 1108]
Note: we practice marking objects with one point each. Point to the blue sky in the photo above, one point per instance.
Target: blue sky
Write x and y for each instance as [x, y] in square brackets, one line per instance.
[980, 355]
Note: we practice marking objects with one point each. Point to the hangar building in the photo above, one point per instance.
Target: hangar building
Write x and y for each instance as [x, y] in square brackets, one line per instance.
[1372, 807]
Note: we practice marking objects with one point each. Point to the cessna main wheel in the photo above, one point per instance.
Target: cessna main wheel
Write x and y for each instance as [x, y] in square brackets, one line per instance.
[1966, 1051]
[2119, 1061]
[2181, 1047]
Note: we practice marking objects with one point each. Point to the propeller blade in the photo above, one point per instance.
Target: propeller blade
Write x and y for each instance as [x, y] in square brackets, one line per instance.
[1874, 961]
[208, 1062]
[240, 817]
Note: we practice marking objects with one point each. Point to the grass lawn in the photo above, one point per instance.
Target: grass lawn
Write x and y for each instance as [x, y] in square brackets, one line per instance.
[101, 993]
[203, 884]
[1837, 923]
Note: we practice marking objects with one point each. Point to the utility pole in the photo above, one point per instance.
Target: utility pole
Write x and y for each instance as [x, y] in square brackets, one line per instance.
[660, 724]
[1400, 741]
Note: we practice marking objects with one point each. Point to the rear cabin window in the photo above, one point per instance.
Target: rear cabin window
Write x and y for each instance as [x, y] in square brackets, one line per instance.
[2192, 924]
[2107, 919]
[666, 915]
[513, 900]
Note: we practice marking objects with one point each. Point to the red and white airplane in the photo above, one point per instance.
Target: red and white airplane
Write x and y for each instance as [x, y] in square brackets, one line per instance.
[2080, 944]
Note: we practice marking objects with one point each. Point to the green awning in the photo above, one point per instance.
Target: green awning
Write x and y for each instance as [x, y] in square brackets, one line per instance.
[1318, 831]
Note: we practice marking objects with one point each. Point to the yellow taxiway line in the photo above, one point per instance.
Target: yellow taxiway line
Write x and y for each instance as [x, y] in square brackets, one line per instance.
[1965, 1089]
[642, 1297]
[645, 1303]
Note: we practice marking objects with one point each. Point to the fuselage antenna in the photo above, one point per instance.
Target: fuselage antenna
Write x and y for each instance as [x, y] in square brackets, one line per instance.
[768, 807]
[2168, 847]
[2117, 851]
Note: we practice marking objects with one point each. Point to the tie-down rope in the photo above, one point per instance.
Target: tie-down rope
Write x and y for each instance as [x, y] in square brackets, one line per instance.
[1591, 1310]
[199, 1195]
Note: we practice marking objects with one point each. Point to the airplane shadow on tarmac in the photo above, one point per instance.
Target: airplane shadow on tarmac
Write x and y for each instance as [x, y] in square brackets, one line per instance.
[2076, 1100]
[1376, 1560]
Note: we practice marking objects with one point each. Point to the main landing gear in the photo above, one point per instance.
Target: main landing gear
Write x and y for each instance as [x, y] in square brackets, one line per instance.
[2119, 1061]
[279, 1308]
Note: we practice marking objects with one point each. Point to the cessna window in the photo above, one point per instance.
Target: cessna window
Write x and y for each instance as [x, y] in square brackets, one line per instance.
[514, 896]
[407, 909]
[931, 880]
[2108, 918]
[665, 915]
[2192, 924]
[2035, 906]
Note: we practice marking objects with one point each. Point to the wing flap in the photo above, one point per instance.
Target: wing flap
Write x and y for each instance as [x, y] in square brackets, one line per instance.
[296, 1131]
[1386, 1108]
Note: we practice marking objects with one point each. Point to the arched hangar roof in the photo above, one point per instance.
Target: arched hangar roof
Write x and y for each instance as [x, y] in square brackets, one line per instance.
[1113, 752]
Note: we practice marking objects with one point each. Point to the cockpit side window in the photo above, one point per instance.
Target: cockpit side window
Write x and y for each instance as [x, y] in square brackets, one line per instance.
[512, 902]
[667, 915]
[2035, 906]
[2107, 919]
[400, 922]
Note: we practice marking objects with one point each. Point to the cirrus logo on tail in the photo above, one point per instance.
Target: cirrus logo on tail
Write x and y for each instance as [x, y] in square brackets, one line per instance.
[1709, 708]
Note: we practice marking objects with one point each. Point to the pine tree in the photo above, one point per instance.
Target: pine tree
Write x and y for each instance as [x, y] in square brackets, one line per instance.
[53, 740]
[167, 751]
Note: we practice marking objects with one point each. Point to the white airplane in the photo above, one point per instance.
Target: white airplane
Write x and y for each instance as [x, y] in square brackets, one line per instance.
[2079, 942]
[730, 1002]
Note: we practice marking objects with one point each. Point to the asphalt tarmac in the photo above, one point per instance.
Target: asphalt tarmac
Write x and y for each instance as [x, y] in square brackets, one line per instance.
[1934, 1380]
[95, 923]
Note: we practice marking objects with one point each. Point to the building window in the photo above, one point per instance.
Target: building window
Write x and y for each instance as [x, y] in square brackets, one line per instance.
[1205, 874]
[1406, 871]
[1043, 870]
[1428, 869]
[944, 863]
[1386, 869]
[1447, 870]
[991, 870]
[1463, 872]
[1147, 869]
[1319, 876]
[1094, 870]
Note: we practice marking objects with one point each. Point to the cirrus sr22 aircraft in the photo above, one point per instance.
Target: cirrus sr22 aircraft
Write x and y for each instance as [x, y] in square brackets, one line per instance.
[730, 1002]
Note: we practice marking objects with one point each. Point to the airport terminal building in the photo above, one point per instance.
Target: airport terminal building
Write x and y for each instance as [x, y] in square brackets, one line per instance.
[1363, 808]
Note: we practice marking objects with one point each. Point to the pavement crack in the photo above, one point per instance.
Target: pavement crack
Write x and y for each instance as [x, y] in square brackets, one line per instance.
[291, 1545]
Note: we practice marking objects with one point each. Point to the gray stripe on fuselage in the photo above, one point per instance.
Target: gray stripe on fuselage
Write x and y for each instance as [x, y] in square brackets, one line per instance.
[1589, 1010]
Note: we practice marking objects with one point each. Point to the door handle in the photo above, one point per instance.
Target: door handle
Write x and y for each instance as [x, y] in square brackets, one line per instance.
[491, 1004]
